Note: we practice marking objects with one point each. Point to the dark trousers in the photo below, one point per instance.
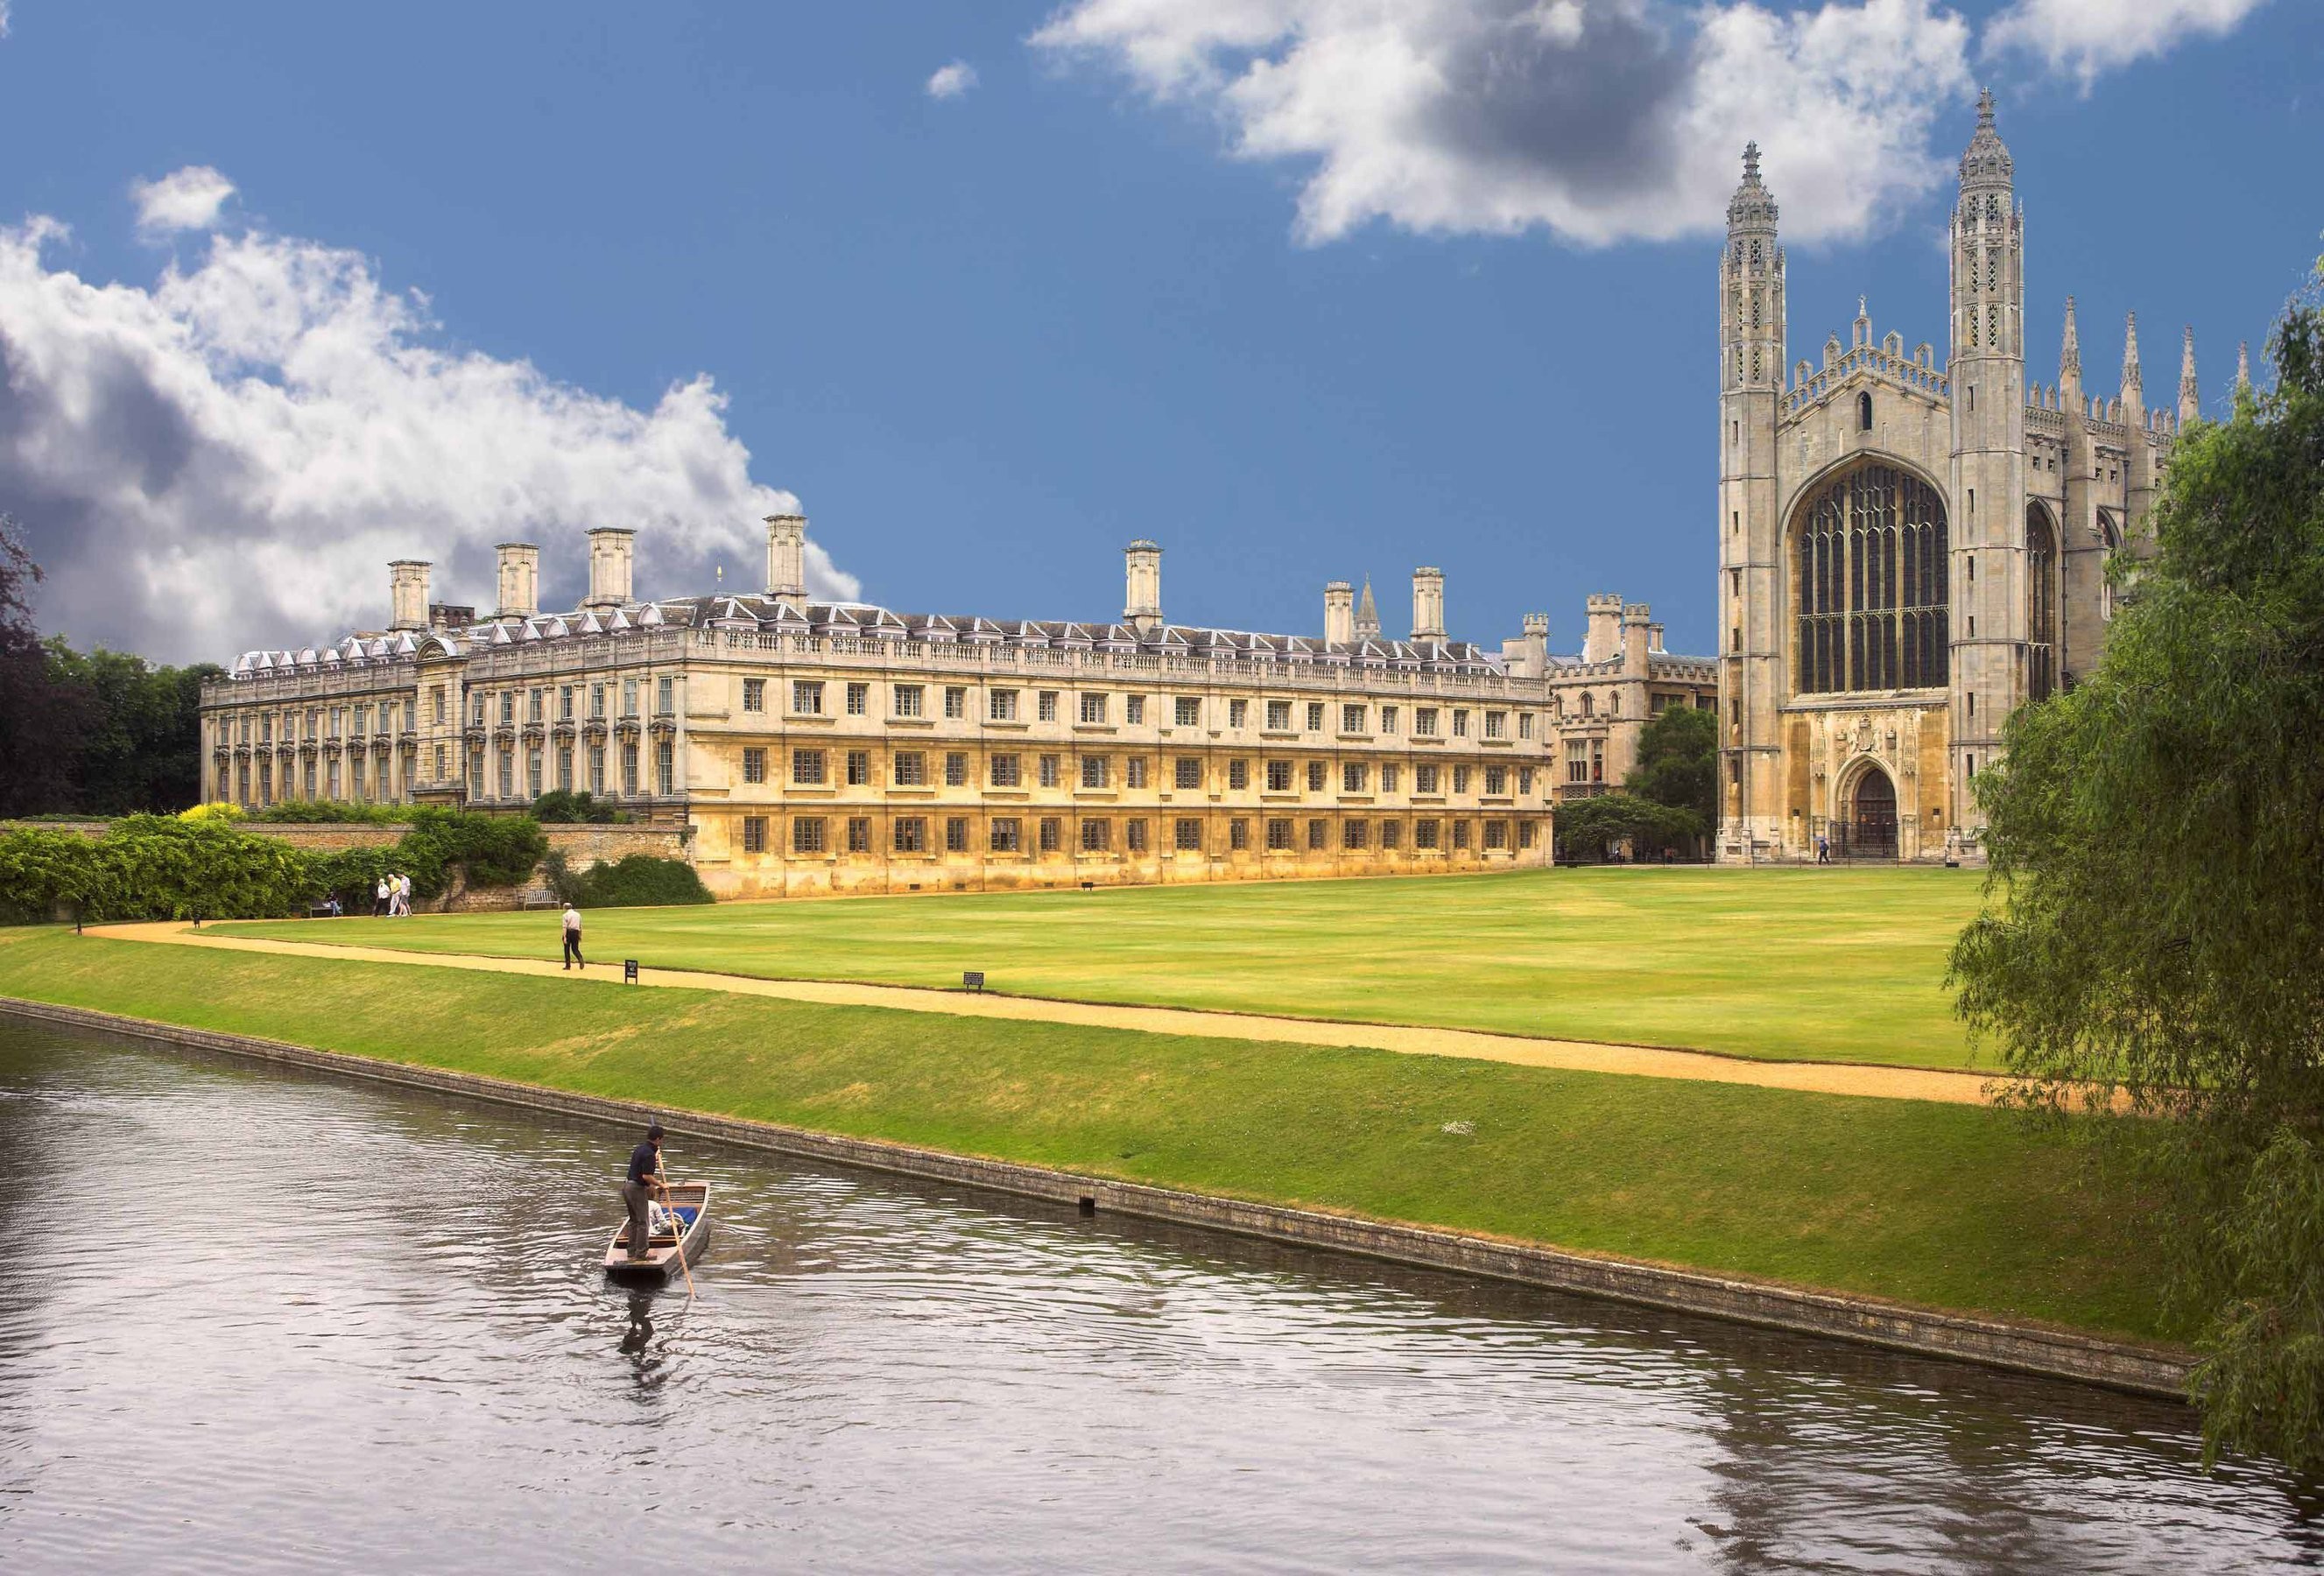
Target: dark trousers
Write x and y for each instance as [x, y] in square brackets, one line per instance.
[635, 1196]
[573, 949]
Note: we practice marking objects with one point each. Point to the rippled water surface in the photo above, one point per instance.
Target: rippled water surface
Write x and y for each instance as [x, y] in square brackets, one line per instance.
[262, 1320]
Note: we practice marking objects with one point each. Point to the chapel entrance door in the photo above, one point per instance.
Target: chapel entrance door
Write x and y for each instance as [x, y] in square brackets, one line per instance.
[1872, 829]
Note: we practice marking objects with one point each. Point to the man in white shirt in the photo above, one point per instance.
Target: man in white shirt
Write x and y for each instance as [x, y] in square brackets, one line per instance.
[379, 900]
[573, 939]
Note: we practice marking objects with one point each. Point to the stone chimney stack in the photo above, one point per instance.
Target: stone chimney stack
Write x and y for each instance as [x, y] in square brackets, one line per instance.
[1141, 576]
[612, 549]
[1428, 603]
[407, 593]
[519, 578]
[1338, 613]
[787, 556]
[1603, 641]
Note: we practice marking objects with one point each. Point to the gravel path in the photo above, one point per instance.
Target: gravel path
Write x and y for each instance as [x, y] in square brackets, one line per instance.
[1955, 1088]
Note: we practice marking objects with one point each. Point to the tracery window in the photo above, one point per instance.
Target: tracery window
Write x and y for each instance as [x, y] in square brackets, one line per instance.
[1871, 578]
[2041, 604]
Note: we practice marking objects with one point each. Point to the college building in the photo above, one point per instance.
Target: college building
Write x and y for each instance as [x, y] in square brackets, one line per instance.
[814, 746]
[1909, 551]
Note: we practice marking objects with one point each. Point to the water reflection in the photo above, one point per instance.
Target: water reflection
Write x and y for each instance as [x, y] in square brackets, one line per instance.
[302, 1323]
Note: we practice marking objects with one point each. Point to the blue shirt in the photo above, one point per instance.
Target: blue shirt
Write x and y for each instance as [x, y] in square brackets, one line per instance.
[644, 1161]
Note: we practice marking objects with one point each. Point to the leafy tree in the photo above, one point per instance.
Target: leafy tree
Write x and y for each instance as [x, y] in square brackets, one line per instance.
[103, 734]
[1591, 828]
[142, 747]
[2156, 917]
[1678, 762]
[42, 722]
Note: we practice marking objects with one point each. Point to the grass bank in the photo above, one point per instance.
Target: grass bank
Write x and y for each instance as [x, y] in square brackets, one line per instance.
[1948, 1206]
[1830, 964]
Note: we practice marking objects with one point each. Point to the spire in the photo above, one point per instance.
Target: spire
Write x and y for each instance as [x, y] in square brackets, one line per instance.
[1752, 207]
[2243, 369]
[2070, 354]
[1986, 165]
[2132, 381]
[1367, 625]
[2189, 392]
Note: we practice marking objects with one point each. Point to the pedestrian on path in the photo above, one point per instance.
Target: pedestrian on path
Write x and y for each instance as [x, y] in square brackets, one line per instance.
[573, 957]
[379, 900]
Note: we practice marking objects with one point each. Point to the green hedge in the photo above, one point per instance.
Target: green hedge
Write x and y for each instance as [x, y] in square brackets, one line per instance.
[330, 812]
[160, 867]
[636, 881]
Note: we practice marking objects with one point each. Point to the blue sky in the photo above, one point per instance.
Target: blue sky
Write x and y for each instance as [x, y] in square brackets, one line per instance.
[1110, 289]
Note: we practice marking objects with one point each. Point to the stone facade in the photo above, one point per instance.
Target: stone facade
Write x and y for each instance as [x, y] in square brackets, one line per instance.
[1908, 552]
[813, 747]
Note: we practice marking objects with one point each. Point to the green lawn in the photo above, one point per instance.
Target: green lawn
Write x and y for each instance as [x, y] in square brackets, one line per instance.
[1945, 1205]
[1832, 964]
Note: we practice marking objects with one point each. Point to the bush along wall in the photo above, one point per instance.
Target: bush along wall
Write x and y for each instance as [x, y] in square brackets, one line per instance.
[158, 867]
[640, 881]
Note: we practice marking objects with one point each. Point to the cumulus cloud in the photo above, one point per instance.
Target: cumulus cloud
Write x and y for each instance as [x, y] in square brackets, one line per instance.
[228, 458]
[952, 81]
[1601, 120]
[1598, 120]
[3, 18]
[184, 199]
[2090, 36]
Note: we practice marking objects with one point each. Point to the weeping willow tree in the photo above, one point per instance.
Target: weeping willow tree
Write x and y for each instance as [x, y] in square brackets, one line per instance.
[2154, 926]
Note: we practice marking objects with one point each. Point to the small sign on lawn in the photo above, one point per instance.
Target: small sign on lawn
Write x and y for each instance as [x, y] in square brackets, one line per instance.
[629, 971]
[973, 980]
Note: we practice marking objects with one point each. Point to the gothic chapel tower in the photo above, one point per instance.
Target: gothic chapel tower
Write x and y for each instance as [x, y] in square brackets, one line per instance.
[1750, 595]
[1987, 372]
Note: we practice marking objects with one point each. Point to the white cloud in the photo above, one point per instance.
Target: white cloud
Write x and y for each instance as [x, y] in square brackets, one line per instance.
[952, 81]
[184, 199]
[3, 18]
[2089, 36]
[1601, 120]
[228, 458]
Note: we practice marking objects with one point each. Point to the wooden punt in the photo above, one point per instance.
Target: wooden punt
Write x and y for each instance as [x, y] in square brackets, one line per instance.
[691, 1201]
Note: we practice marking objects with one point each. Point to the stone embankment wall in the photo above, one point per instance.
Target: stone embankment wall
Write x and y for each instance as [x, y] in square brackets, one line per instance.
[2027, 1347]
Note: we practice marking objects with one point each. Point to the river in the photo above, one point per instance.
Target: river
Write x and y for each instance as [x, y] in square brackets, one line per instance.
[259, 1319]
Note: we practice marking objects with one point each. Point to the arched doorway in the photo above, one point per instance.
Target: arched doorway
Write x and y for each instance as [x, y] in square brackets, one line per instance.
[1872, 816]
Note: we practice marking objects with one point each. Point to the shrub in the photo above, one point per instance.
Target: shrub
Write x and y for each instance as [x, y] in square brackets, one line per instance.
[559, 807]
[326, 811]
[153, 867]
[638, 881]
[219, 813]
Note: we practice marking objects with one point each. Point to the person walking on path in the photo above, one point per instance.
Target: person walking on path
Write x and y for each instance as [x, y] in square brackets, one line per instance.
[573, 957]
[379, 900]
[638, 1189]
[1823, 849]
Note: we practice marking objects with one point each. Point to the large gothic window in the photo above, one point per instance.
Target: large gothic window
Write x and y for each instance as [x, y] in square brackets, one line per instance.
[1871, 566]
[2040, 603]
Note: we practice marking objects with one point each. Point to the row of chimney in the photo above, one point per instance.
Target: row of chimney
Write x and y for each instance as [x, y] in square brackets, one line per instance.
[613, 554]
[1343, 621]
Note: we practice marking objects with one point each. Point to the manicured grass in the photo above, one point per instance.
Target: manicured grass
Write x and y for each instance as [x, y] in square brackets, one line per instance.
[1832, 964]
[1953, 1207]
